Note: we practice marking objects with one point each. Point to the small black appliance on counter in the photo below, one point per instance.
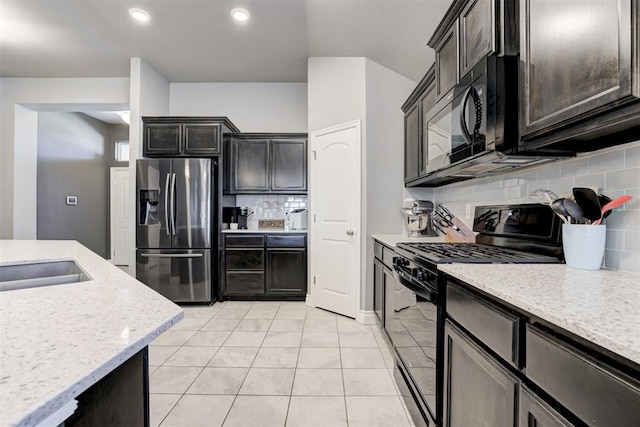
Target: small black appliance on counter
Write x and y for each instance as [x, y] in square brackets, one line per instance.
[235, 215]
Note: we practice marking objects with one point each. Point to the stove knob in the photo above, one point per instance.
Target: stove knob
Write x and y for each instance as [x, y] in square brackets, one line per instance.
[420, 275]
[401, 262]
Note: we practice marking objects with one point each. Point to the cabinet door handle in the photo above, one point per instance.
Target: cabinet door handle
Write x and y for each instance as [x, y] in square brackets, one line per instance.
[171, 255]
[350, 232]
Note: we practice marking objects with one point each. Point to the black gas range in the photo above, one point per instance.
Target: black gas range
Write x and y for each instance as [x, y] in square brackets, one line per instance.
[528, 233]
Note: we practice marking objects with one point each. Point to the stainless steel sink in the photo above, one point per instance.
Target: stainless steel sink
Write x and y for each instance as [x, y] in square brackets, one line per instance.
[36, 274]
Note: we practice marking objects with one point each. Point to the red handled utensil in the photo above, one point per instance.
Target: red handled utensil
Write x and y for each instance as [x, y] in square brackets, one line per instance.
[612, 205]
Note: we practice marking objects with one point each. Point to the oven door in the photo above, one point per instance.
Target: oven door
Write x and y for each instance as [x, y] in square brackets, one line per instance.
[414, 333]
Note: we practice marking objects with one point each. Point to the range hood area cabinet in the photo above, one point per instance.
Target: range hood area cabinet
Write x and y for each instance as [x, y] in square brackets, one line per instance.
[273, 163]
[579, 73]
[184, 136]
[470, 31]
[421, 100]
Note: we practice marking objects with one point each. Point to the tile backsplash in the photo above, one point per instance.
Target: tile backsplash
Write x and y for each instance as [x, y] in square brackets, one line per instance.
[614, 171]
[270, 206]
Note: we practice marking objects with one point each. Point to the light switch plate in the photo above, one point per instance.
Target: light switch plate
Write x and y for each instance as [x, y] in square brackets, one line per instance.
[72, 200]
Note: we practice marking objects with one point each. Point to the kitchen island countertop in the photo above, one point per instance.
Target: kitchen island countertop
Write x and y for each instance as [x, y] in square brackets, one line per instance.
[57, 341]
[600, 306]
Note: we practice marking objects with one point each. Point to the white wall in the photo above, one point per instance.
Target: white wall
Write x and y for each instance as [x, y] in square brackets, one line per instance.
[336, 91]
[18, 140]
[149, 97]
[346, 89]
[252, 107]
[383, 167]
[25, 173]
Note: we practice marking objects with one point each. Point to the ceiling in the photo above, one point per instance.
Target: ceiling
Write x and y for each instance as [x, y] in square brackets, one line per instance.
[197, 41]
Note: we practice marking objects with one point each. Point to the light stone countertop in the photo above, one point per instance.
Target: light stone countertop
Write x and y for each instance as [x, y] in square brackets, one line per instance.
[600, 306]
[394, 239]
[57, 341]
[265, 231]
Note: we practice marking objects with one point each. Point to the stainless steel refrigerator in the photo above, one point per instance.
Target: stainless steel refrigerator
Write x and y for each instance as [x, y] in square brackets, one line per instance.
[174, 233]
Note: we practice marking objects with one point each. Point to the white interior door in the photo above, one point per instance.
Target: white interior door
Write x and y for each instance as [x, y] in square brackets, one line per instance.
[120, 231]
[335, 227]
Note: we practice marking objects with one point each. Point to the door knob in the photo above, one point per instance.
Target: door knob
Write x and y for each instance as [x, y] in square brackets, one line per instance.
[350, 232]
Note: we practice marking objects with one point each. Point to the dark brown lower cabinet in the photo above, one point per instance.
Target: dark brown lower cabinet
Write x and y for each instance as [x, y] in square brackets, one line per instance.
[286, 271]
[535, 412]
[265, 266]
[477, 390]
[121, 398]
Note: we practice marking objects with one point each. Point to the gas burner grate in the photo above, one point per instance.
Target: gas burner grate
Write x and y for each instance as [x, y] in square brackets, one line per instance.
[472, 253]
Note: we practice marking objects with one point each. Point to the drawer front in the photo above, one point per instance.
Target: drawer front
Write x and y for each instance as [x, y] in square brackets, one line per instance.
[244, 259]
[533, 411]
[387, 257]
[595, 393]
[242, 240]
[492, 325]
[299, 241]
[244, 283]
[377, 249]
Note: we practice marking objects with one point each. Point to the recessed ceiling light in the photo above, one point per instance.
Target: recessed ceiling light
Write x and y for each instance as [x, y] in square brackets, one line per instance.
[139, 15]
[240, 14]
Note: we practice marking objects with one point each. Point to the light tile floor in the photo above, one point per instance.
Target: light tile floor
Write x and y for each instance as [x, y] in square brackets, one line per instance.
[272, 364]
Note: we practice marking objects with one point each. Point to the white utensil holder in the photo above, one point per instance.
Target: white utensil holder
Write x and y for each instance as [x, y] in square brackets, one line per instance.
[584, 245]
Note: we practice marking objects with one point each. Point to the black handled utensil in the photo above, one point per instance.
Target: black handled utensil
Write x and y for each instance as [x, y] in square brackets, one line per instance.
[574, 210]
[588, 201]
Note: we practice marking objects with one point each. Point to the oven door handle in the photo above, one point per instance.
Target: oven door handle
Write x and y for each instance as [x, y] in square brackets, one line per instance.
[408, 282]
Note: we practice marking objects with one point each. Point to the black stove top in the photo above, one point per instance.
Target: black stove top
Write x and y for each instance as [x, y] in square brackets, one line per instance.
[444, 253]
[525, 233]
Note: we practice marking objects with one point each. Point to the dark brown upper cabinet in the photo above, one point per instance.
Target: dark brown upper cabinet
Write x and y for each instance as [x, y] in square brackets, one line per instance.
[267, 163]
[477, 33]
[249, 165]
[427, 102]
[184, 136]
[469, 31]
[288, 165]
[447, 61]
[579, 74]
[421, 100]
[412, 143]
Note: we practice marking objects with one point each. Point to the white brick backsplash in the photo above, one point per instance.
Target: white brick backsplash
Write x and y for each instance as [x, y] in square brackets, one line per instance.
[632, 157]
[596, 180]
[622, 260]
[632, 241]
[575, 167]
[269, 206]
[615, 239]
[606, 162]
[551, 171]
[614, 170]
[623, 179]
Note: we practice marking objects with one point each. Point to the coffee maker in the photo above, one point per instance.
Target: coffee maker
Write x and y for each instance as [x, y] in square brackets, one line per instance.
[236, 215]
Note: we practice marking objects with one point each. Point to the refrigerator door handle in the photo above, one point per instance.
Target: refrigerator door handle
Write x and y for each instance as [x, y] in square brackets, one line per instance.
[166, 205]
[171, 255]
[173, 203]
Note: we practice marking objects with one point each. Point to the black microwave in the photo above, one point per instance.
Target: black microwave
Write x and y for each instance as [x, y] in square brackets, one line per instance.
[480, 113]
[473, 130]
